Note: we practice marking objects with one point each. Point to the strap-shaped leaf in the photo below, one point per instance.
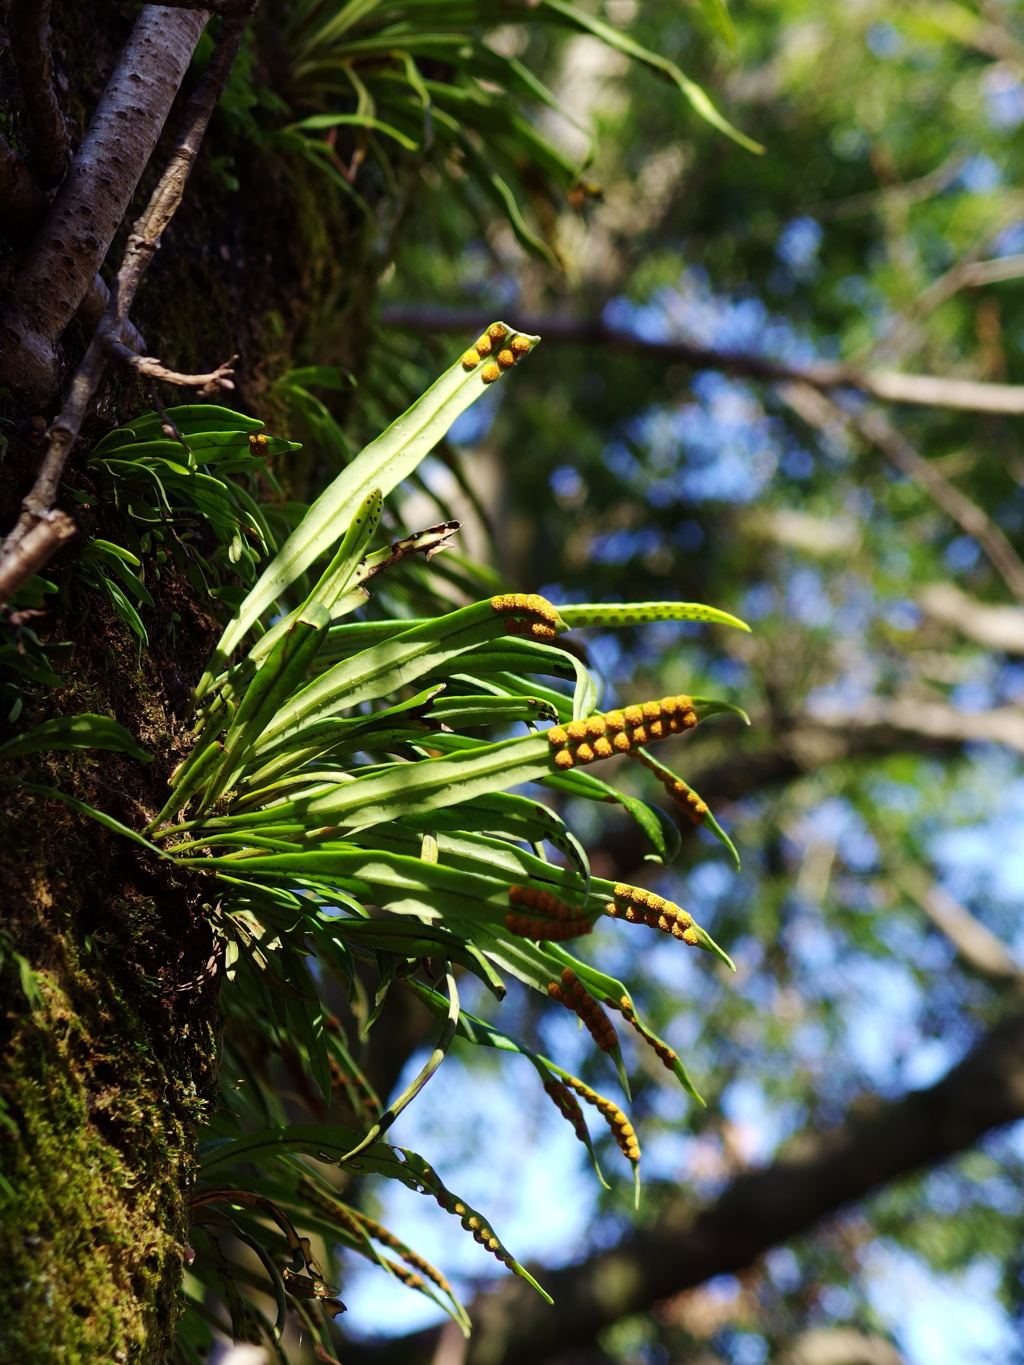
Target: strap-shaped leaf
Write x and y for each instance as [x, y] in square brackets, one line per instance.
[342, 735]
[435, 1059]
[383, 464]
[417, 941]
[101, 816]
[413, 789]
[699, 101]
[86, 731]
[641, 613]
[480, 1034]
[589, 788]
[327, 592]
[379, 670]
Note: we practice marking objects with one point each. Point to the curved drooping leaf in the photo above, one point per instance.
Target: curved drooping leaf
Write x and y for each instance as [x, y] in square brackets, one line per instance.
[329, 1143]
[86, 731]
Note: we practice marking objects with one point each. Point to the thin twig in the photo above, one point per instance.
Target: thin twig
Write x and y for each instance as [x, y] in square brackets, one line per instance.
[90, 315]
[75, 235]
[143, 244]
[966, 395]
[28, 22]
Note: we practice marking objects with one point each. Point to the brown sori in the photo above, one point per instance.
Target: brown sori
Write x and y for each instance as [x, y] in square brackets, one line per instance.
[574, 996]
[568, 1106]
[527, 614]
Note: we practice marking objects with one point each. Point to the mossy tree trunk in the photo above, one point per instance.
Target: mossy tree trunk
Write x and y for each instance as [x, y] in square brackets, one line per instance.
[109, 988]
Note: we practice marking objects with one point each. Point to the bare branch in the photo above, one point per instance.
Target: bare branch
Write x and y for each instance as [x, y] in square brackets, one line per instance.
[970, 517]
[903, 195]
[993, 272]
[28, 23]
[933, 720]
[877, 728]
[966, 395]
[40, 544]
[22, 207]
[80, 225]
[817, 1174]
[142, 246]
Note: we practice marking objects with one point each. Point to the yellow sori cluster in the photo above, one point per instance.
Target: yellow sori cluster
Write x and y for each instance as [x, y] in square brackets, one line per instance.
[470, 1221]
[527, 613]
[622, 1130]
[507, 355]
[687, 800]
[617, 732]
[683, 795]
[662, 1049]
[644, 907]
[381, 1234]
[563, 922]
[574, 996]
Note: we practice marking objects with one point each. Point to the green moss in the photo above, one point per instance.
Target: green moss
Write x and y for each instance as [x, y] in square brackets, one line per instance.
[92, 1238]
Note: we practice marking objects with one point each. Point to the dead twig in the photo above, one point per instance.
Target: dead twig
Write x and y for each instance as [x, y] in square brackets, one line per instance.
[143, 244]
[207, 384]
[28, 23]
[40, 543]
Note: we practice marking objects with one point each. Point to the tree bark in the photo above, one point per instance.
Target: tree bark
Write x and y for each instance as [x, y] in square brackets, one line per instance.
[72, 241]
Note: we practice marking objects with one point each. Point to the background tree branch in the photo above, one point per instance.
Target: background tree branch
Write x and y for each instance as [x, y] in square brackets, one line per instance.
[966, 395]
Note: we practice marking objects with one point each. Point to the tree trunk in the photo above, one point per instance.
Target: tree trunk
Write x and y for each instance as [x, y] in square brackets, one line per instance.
[109, 988]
